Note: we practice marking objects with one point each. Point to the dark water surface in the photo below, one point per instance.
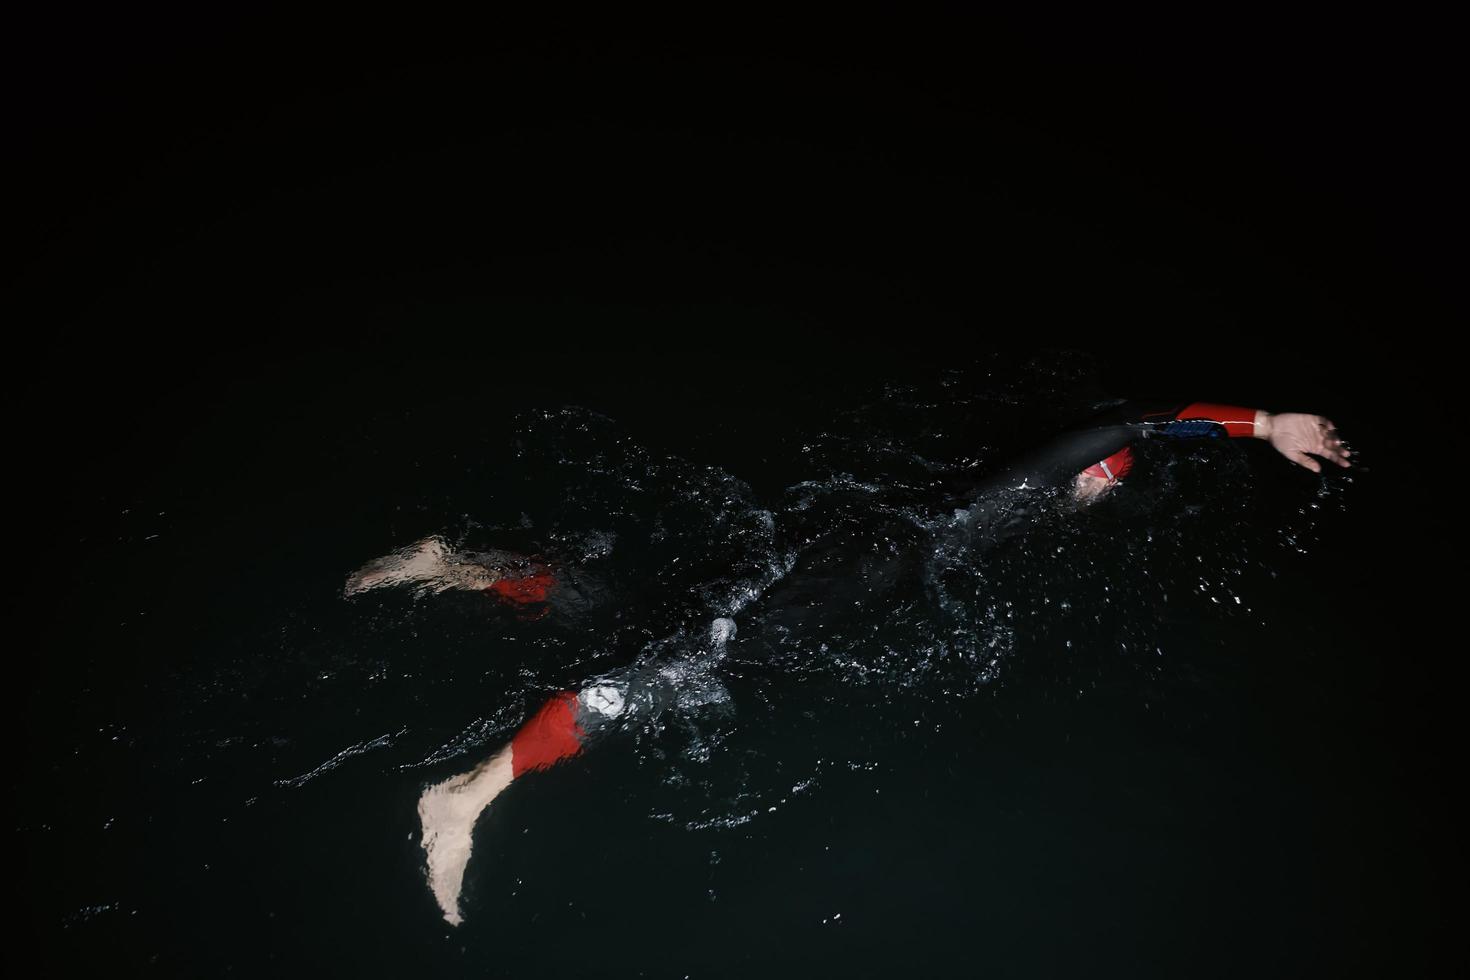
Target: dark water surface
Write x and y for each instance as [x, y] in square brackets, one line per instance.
[1152, 735]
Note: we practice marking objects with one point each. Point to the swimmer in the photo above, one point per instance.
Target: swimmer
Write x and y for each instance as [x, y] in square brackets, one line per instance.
[1088, 461]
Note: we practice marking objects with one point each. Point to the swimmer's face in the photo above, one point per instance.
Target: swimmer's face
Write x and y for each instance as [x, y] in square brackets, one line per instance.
[1088, 489]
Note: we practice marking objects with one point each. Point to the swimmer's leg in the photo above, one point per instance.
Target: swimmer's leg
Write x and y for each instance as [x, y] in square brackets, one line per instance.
[448, 810]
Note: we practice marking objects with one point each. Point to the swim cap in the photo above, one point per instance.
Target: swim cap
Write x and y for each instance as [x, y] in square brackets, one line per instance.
[1114, 468]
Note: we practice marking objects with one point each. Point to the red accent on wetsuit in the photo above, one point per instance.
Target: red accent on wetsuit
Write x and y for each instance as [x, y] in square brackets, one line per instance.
[524, 590]
[550, 736]
[1239, 422]
[1114, 468]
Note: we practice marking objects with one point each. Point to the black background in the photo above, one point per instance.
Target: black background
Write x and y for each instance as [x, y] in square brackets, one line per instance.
[219, 209]
[253, 214]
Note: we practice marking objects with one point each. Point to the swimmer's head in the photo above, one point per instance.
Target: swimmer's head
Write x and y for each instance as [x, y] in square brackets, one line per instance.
[1087, 489]
[1099, 478]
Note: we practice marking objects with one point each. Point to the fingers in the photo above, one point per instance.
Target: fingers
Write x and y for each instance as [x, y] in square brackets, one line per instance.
[1300, 438]
[1324, 441]
[1332, 446]
[1302, 459]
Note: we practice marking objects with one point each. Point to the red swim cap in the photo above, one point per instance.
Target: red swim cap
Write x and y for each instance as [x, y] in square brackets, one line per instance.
[1115, 467]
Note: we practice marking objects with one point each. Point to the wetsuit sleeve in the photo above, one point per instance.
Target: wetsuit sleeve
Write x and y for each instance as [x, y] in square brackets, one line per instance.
[1197, 420]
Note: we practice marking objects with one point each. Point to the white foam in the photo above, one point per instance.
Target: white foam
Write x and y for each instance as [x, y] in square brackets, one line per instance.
[603, 699]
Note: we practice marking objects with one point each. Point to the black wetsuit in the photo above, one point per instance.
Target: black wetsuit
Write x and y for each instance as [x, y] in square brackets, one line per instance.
[850, 569]
[845, 566]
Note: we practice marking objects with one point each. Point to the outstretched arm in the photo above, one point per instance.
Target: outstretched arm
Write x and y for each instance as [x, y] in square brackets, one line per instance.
[1297, 436]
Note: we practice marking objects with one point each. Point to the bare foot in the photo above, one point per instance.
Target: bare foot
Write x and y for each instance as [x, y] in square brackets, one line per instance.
[447, 813]
[423, 561]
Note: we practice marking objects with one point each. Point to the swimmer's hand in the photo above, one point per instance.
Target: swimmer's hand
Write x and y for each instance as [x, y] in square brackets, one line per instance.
[1300, 437]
